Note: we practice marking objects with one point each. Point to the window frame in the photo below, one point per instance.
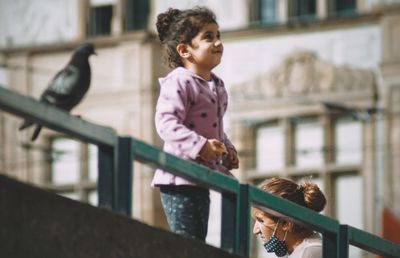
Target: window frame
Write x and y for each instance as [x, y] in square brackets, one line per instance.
[84, 186]
[133, 9]
[296, 10]
[335, 10]
[286, 13]
[328, 173]
[96, 25]
[256, 11]
[328, 170]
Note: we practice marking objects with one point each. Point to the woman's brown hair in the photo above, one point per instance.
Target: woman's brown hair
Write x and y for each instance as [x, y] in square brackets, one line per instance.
[306, 194]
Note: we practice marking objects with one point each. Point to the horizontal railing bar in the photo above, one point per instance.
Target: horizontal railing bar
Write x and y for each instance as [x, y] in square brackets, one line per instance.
[56, 119]
[372, 243]
[186, 169]
[279, 206]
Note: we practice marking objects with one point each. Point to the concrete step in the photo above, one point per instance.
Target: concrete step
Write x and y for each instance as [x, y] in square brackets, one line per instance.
[35, 223]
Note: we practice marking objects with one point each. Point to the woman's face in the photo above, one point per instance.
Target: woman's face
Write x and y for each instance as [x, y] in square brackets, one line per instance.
[264, 226]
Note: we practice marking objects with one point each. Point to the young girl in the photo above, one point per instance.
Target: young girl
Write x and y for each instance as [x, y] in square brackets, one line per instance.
[189, 114]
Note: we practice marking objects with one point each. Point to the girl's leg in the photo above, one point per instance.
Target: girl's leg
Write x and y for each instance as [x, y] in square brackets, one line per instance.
[187, 209]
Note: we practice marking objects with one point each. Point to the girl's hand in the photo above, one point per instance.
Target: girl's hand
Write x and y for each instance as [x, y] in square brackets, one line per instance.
[211, 149]
[218, 147]
[231, 160]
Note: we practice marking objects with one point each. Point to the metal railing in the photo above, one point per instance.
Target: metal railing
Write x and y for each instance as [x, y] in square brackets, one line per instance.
[116, 157]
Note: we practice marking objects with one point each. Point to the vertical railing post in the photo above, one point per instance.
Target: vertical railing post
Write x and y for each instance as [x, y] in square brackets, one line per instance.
[243, 221]
[123, 178]
[343, 245]
[235, 221]
[330, 245]
[228, 221]
[105, 181]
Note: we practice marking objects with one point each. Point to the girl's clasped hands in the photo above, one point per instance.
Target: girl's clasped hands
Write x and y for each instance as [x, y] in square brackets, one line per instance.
[213, 148]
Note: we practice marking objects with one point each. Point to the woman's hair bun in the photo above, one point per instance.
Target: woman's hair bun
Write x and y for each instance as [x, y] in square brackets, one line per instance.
[313, 196]
[164, 21]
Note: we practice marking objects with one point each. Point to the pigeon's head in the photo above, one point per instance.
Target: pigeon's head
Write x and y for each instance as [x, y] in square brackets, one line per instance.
[86, 49]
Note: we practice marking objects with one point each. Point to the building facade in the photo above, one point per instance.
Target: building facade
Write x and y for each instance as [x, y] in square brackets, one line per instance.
[314, 93]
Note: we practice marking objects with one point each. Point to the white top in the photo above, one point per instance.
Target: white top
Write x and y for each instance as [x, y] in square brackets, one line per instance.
[311, 247]
[211, 85]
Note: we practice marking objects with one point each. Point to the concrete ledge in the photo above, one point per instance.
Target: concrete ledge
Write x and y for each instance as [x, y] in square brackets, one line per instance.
[38, 224]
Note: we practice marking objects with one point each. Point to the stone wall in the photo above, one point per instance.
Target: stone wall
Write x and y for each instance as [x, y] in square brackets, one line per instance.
[38, 224]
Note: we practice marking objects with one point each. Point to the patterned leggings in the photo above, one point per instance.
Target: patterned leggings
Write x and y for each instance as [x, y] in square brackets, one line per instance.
[187, 209]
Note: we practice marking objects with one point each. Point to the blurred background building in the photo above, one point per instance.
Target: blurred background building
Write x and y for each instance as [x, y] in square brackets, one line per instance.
[314, 92]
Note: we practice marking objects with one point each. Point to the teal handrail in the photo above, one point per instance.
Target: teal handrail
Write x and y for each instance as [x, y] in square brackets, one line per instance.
[116, 155]
[336, 237]
[104, 137]
[154, 156]
[372, 243]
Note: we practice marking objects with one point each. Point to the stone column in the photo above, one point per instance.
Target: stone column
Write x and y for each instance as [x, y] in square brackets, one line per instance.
[18, 161]
[369, 176]
[283, 11]
[322, 9]
[244, 140]
[117, 23]
[83, 14]
[390, 70]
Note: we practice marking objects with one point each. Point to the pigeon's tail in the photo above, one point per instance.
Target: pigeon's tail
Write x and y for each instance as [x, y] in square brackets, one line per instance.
[36, 132]
[25, 125]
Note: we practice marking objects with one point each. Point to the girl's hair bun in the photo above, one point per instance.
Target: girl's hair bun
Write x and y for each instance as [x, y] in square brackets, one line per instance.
[164, 21]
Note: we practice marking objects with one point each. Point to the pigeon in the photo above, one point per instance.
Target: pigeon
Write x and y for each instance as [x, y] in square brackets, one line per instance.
[69, 85]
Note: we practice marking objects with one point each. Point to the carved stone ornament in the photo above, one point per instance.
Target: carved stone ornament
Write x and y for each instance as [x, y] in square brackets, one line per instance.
[302, 74]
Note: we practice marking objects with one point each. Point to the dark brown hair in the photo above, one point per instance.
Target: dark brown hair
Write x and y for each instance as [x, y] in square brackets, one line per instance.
[306, 194]
[181, 26]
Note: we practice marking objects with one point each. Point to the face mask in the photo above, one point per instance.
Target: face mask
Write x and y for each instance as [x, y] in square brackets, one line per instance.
[274, 245]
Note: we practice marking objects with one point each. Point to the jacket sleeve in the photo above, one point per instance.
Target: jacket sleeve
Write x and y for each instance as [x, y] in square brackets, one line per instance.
[173, 103]
[228, 143]
[224, 100]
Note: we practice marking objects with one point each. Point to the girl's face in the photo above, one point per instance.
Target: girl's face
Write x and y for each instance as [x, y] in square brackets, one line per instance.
[264, 226]
[206, 48]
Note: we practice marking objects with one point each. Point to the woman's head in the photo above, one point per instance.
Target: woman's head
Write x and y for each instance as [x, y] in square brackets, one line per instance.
[306, 194]
[181, 26]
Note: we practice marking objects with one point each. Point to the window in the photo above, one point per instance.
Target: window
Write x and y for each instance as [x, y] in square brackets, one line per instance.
[100, 20]
[65, 166]
[308, 148]
[274, 12]
[348, 150]
[349, 204]
[300, 147]
[343, 7]
[136, 15]
[348, 192]
[74, 170]
[264, 12]
[270, 148]
[302, 9]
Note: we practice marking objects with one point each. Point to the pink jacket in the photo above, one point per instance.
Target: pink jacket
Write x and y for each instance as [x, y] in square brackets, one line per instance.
[188, 113]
